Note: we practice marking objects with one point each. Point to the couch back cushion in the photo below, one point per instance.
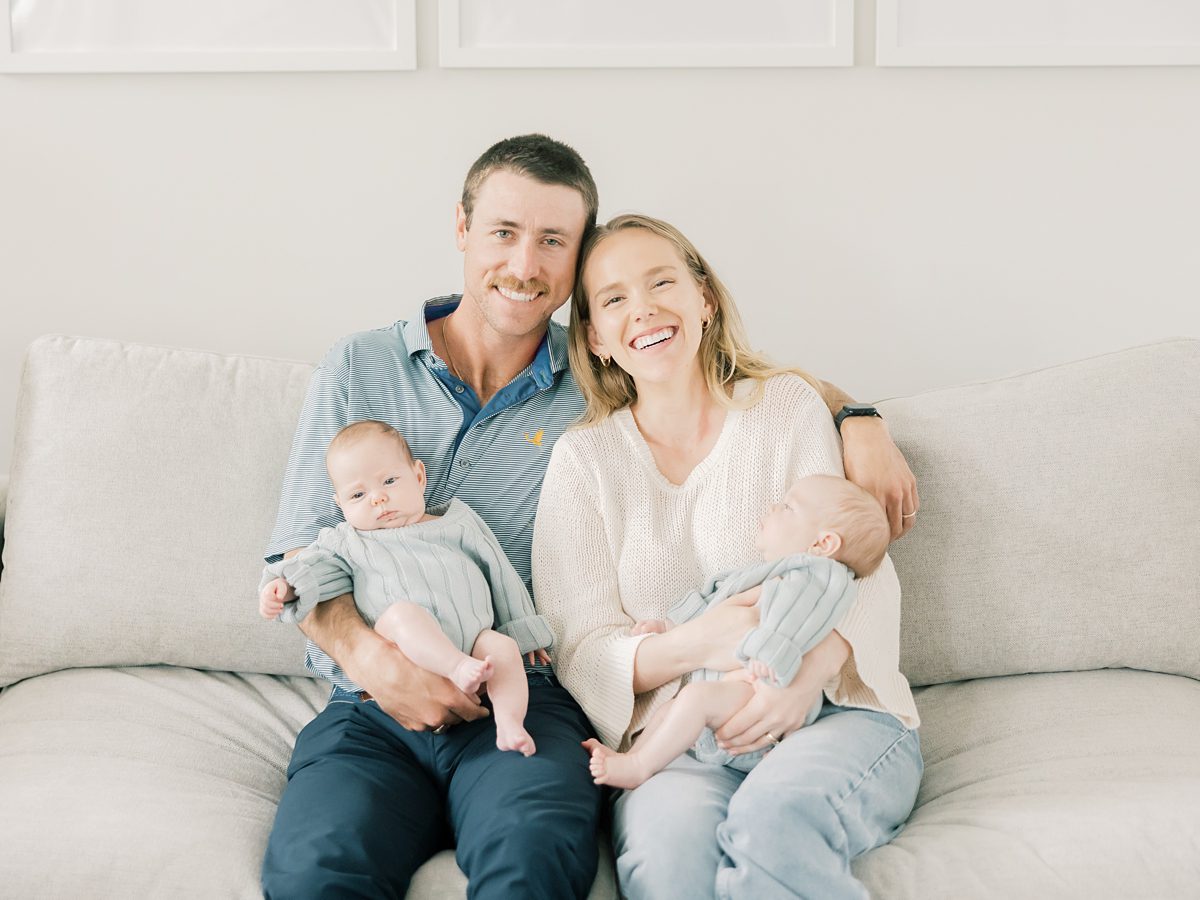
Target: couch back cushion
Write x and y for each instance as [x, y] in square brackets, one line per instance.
[1060, 520]
[144, 487]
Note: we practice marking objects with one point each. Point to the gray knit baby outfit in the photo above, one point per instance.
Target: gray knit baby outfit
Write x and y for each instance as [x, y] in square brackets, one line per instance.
[803, 599]
[452, 566]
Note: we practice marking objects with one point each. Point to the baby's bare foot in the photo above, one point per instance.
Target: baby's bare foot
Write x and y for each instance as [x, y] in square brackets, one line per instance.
[470, 673]
[514, 737]
[612, 768]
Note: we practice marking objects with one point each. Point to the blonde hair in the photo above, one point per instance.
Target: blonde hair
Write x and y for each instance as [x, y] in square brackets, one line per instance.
[357, 431]
[860, 521]
[725, 353]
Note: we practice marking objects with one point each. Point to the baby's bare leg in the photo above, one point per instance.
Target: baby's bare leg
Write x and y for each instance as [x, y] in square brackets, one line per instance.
[417, 633]
[673, 729]
[508, 689]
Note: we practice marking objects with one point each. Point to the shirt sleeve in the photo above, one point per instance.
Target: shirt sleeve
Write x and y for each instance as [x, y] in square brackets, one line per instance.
[575, 583]
[306, 502]
[511, 603]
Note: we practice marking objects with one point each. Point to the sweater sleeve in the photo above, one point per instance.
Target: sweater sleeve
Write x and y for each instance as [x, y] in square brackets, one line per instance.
[871, 676]
[515, 615]
[575, 583]
[317, 573]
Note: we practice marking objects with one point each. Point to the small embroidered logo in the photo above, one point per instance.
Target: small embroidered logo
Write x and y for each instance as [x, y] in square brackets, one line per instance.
[536, 437]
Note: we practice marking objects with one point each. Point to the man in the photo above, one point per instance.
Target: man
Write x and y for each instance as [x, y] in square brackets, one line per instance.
[480, 387]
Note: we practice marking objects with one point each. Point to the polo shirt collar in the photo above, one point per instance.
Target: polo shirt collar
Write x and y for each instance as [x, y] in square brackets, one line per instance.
[550, 359]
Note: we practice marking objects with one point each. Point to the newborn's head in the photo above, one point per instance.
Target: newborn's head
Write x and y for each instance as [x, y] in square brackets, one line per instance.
[376, 481]
[824, 515]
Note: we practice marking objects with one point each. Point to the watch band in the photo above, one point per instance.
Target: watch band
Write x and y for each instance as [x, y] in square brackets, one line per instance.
[852, 410]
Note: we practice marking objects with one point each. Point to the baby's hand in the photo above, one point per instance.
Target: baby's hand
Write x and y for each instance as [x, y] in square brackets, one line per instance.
[650, 626]
[539, 656]
[760, 670]
[272, 598]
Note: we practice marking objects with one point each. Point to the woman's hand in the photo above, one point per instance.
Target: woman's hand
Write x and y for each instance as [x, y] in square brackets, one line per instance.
[774, 713]
[706, 642]
[717, 632]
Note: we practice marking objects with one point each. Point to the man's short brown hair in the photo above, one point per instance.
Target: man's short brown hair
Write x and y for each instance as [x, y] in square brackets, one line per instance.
[540, 158]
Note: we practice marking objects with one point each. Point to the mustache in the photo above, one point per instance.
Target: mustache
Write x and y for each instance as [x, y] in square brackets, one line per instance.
[517, 286]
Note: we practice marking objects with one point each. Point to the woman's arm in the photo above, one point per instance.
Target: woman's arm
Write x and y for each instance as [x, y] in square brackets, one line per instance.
[859, 660]
[874, 462]
[706, 642]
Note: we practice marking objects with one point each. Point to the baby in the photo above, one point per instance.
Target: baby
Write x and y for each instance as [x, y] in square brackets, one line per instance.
[432, 584]
[826, 532]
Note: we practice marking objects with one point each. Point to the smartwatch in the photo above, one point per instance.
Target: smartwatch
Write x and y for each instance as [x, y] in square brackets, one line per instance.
[855, 409]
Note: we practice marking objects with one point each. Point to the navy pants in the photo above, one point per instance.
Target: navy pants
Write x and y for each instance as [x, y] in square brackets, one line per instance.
[367, 802]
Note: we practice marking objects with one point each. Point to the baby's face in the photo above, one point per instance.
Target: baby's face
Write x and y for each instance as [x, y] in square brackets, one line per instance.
[376, 485]
[794, 524]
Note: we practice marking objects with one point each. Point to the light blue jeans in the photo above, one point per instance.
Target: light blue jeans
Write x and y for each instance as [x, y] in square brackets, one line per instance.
[829, 792]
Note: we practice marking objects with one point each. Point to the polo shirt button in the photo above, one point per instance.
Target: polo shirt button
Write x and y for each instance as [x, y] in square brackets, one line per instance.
[465, 463]
[458, 389]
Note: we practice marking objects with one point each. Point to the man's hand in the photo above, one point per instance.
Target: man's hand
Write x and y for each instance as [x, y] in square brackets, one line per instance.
[273, 596]
[874, 463]
[415, 698]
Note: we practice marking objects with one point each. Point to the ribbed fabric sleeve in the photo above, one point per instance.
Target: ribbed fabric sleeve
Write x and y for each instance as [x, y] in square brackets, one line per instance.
[317, 573]
[616, 542]
[515, 615]
[797, 610]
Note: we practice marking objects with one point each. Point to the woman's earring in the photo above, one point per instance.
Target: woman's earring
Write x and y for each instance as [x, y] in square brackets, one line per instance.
[604, 360]
[704, 323]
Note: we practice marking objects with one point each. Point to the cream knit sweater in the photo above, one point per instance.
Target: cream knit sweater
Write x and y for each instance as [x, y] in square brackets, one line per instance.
[615, 541]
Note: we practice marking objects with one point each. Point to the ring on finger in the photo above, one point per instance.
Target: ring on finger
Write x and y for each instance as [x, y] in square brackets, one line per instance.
[908, 515]
[774, 740]
[441, 729]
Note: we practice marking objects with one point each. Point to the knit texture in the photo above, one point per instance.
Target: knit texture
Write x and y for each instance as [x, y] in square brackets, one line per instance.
[451, 566]
[615, 542]
[803, 598]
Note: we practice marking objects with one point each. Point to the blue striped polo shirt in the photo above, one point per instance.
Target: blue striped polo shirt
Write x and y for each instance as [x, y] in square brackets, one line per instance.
[492, 458]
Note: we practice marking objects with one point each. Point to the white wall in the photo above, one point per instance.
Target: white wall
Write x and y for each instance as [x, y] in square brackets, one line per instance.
[892, 230]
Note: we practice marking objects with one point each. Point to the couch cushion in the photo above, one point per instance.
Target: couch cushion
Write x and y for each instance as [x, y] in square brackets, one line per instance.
[158, 782]
[1072, 785]
[144, 486]
[1058, 528]
[144, 782]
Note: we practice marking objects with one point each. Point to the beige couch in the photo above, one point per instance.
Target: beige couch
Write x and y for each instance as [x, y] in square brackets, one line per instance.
[1051, 624]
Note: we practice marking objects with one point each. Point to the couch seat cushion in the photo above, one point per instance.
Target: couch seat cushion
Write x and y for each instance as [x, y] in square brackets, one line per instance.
[144, 782]
[1069, 785]
[158, 782]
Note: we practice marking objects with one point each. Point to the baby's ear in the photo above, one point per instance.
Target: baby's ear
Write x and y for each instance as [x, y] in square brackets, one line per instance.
[827, 544]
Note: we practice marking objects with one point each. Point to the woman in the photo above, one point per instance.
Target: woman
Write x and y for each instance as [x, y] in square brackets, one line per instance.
[688, 437]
